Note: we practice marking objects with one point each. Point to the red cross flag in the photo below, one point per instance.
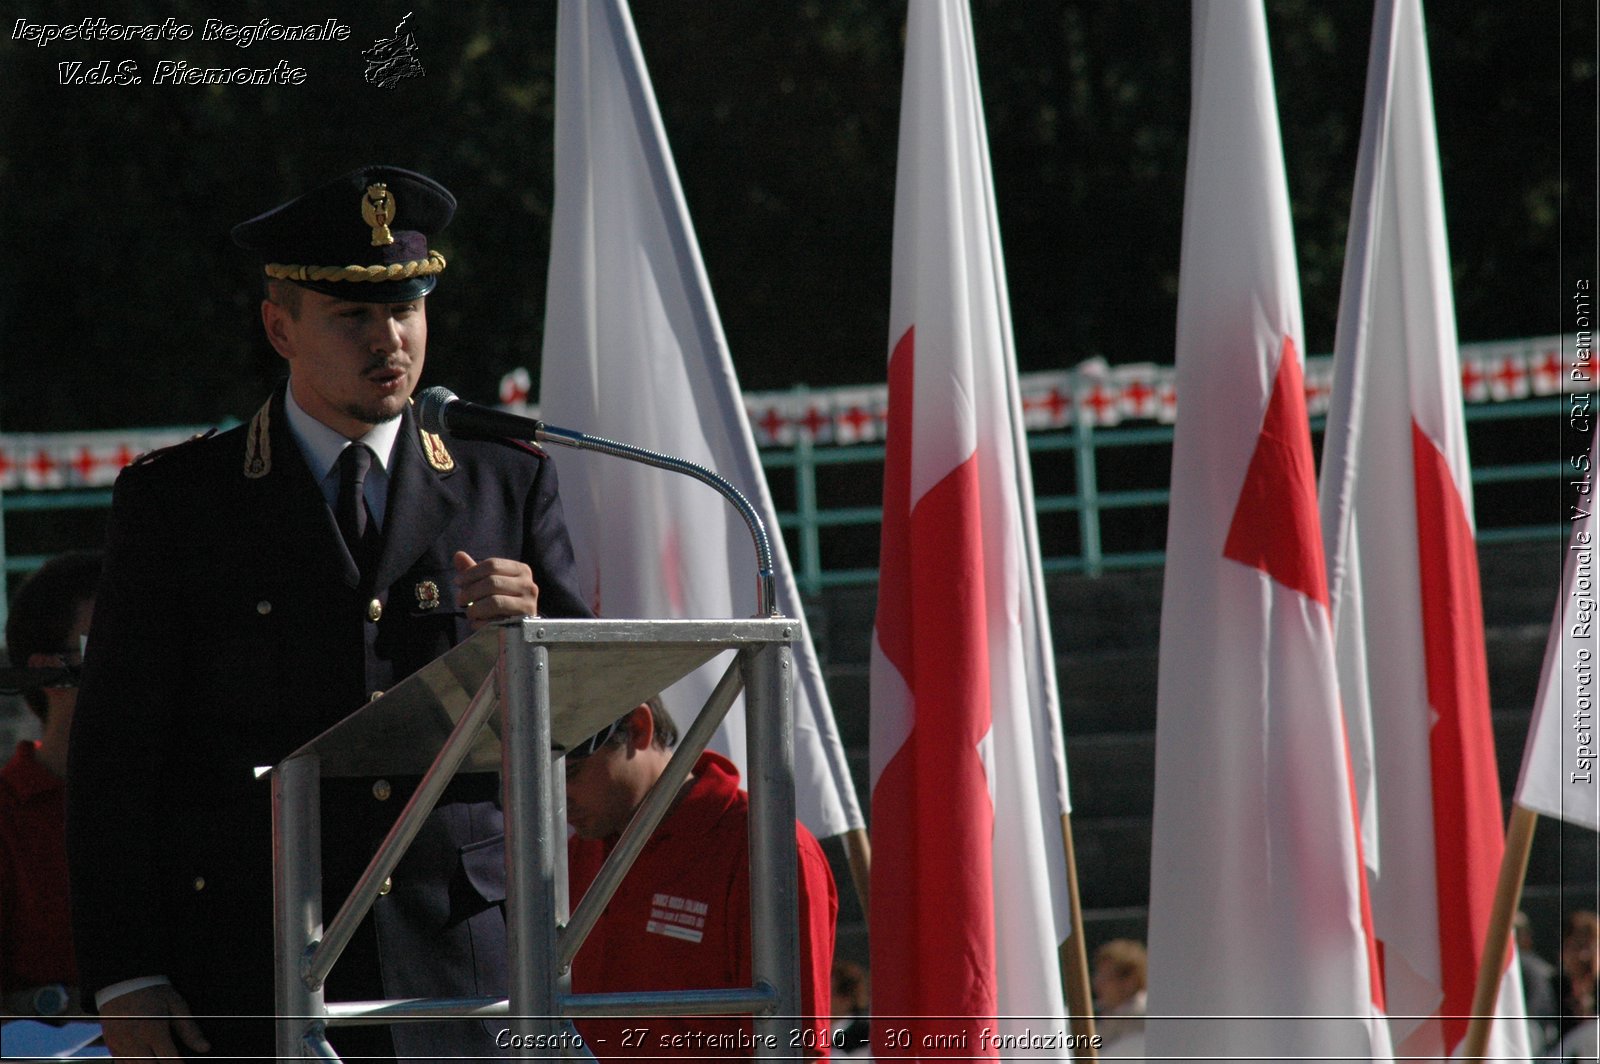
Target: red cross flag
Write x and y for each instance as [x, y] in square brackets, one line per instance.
[1259, 938]
[1403, 571]
[968, 908]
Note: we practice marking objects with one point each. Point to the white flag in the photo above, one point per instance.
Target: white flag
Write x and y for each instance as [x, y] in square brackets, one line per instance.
[969, 899]
[1558, 764]
[634, 351]
[1403, 572]
[1260, 945]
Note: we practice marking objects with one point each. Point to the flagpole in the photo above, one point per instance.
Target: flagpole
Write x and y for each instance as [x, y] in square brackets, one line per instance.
[1075, 959]
[858, 851]
[1507, 895]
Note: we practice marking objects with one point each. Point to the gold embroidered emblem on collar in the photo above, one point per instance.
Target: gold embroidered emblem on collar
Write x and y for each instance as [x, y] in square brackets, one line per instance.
[258, 444]
[438, 455]
[427, 595]
[377, 210]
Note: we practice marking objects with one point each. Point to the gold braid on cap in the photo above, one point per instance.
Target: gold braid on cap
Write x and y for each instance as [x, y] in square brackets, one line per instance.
[399, 271]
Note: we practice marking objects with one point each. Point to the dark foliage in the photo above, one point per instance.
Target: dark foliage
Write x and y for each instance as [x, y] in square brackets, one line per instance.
[123, 303]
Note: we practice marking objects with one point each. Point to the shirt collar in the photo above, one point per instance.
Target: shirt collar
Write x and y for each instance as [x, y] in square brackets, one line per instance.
[322, 445]
[715, 788]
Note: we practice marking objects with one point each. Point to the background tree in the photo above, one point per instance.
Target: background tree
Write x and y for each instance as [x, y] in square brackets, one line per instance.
[123, 302]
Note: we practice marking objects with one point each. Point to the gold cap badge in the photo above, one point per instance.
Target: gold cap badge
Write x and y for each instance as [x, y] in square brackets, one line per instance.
[377, 209]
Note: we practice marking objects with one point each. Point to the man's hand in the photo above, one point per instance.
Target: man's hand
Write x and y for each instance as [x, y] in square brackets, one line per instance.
[139, 1025]
[494, 589]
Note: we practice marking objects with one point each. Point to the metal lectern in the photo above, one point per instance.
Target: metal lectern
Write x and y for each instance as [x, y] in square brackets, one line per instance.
[555, 683]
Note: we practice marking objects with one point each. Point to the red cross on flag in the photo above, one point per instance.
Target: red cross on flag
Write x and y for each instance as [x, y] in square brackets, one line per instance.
[1403, 565]
[1042, 404]
[774, 427]
[1474, 381]
[1509, 380]
[43, 470]
[1260, 944]
[1167, 400]
[1098, 401]
[968, 908]
[1137, 389]
[857, 415]
[1545, 371]
[515, 387]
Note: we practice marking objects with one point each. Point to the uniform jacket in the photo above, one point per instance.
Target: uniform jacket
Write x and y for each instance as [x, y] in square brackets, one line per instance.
[231, 628]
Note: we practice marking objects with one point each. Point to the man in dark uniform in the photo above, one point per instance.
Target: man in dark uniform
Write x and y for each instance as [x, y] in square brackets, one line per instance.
[262, 584]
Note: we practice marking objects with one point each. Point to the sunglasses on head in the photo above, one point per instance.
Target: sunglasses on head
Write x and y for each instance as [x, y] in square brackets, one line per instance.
[600, 738]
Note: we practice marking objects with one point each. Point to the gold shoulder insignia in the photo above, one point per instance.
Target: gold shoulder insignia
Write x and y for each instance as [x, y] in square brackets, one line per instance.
[258, 444]
[438, 455]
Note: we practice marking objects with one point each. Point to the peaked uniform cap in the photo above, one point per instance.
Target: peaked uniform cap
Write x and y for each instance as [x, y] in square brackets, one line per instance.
[362, 237]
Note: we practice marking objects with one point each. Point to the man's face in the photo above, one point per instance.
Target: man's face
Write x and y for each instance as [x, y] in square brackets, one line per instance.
[64, 700]
[604, 788]
[1580, 955]
[351, 365]
[1110, 987]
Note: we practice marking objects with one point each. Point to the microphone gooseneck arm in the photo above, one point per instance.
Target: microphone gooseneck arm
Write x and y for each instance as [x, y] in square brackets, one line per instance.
[766, 583]
[434, 410]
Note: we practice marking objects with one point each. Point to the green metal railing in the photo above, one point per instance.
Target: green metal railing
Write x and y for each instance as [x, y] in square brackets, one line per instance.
[1090, 501]
[810, 519]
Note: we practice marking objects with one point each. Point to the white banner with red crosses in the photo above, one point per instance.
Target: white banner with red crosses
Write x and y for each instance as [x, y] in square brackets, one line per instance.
[47, 461]
[1100, 395]
[1094, 393]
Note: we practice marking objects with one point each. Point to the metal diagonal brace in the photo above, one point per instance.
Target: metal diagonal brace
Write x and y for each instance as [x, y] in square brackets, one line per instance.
[405, 829]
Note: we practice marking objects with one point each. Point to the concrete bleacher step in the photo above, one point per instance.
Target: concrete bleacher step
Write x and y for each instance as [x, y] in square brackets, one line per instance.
[1107, 691]
[841, 623]
[1111, 775]
[1117, 611]
[1516, 657]
[1113, 860]
[1520, 581]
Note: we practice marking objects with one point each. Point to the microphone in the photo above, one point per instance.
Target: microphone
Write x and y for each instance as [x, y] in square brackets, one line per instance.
[444, 413]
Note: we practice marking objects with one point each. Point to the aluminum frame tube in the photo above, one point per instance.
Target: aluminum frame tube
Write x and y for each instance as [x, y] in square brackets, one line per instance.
[527, 772]
[383, 863]
[317, 1046]
[774, 859]
[402, 1010]
[296, 898]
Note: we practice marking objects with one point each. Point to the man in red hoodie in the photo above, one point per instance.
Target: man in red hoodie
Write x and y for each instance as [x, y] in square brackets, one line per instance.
[681, 918]
[45, 631]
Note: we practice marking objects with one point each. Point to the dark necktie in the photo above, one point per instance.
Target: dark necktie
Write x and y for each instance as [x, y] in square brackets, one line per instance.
[355, 523]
